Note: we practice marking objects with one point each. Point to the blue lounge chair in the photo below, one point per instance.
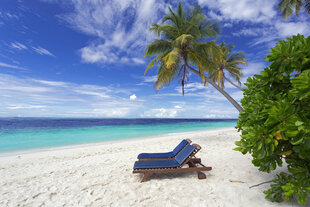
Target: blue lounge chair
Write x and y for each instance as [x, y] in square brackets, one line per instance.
[165, 155]
[185, 156]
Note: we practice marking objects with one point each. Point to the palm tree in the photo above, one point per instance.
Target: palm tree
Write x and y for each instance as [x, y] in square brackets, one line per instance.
[180, 49]
[287, 6]
[229, 62]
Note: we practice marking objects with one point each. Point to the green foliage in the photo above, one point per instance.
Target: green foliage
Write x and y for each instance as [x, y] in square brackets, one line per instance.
[229, 62]
[275, 122]
[180, 43]
[287, 6]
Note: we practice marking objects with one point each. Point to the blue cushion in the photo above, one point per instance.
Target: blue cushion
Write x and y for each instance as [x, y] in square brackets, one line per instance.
[155, 155]
[154, 164]
[180, 146]
[184, 154]
[165, 154]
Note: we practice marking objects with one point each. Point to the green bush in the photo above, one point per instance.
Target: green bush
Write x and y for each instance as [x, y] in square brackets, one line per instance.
[275, 122]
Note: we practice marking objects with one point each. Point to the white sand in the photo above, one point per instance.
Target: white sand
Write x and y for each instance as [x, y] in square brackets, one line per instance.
[101, 175]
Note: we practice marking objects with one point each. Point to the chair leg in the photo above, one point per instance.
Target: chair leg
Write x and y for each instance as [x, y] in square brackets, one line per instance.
[191, 164]
[145, 177]
[201, 175]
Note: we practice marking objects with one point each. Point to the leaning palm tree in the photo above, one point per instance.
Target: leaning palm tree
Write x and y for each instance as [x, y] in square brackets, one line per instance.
[181, 49]
[287, 7]
[230, 62]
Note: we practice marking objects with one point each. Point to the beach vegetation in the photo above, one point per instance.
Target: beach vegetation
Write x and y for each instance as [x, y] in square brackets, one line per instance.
[287, 7]
[184, 46]
[230, 62]
[275, 122]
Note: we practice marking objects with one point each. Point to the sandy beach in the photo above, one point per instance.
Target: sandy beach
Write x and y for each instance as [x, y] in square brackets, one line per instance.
[101, 175]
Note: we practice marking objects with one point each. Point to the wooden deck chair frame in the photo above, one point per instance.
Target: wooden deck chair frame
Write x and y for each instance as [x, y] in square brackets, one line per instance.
[192, 162]
[171, 158]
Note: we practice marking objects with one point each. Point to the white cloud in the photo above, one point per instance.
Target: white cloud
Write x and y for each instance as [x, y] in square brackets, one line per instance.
[104, 53]
[250, 32]
[42, 51]
[241, 10]
[138, 60]
[26, 107]
[92, 93]
[98, 53]
[259, 19]
[286, 29]
[120, 26]
[18, 46]
[149, 79]
[8, 15]
[238, 95]
[279, 29]
[119, 112]
[37, 97]
[177, 107]
[133, 97]
[229, 25]
[53, 98]
[11, 66]
[160, 113]
[51, 83]
[253, 68]
[191, 87]
[216, 116]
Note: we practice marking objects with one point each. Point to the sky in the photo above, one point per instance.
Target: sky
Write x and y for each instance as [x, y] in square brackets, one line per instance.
[80, 58]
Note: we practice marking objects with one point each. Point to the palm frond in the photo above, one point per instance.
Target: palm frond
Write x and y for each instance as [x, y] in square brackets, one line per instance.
[184, 39]
[237, 56]
[200, 60]
[181, 37]
[171, 16]
[210, 28]
[172, 58]
[307, 6]
[150, 65]
[286, 8]
[180, 11]
[165, 76]
[297, 4]
[196, 16]
[156, 60]
[157, 47]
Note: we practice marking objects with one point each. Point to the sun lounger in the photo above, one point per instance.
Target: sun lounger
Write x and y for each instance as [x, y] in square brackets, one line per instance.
[185, 156]
[165, 155]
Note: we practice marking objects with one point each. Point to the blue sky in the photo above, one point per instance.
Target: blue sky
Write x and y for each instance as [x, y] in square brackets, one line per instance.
[85, 58]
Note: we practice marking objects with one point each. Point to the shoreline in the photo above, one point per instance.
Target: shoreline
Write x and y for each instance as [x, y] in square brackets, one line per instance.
[101, 175]
[75, 146]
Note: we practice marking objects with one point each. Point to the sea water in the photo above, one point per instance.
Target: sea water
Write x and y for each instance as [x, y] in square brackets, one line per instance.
[33, 133]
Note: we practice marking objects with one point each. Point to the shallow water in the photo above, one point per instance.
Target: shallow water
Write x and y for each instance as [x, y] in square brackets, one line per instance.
[32, 133]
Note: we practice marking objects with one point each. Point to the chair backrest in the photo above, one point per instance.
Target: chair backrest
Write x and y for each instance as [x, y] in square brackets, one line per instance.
[185, 153]
[180, 146]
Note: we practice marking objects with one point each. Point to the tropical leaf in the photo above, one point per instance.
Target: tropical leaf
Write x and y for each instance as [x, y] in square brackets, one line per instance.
[150, 65]
[184, 39]
[276, 113]
[172, 58]
[183, 47]
[288, 6]
[157, 47]
[227, 61]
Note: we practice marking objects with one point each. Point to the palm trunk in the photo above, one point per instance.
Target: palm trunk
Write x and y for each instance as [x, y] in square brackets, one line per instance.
[232, 83]
[230, 99]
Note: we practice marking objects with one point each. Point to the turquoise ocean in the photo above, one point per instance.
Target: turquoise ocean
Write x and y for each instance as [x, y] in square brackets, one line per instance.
[18, 134]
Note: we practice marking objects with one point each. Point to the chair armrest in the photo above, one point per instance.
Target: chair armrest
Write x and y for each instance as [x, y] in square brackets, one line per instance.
[197, 146]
